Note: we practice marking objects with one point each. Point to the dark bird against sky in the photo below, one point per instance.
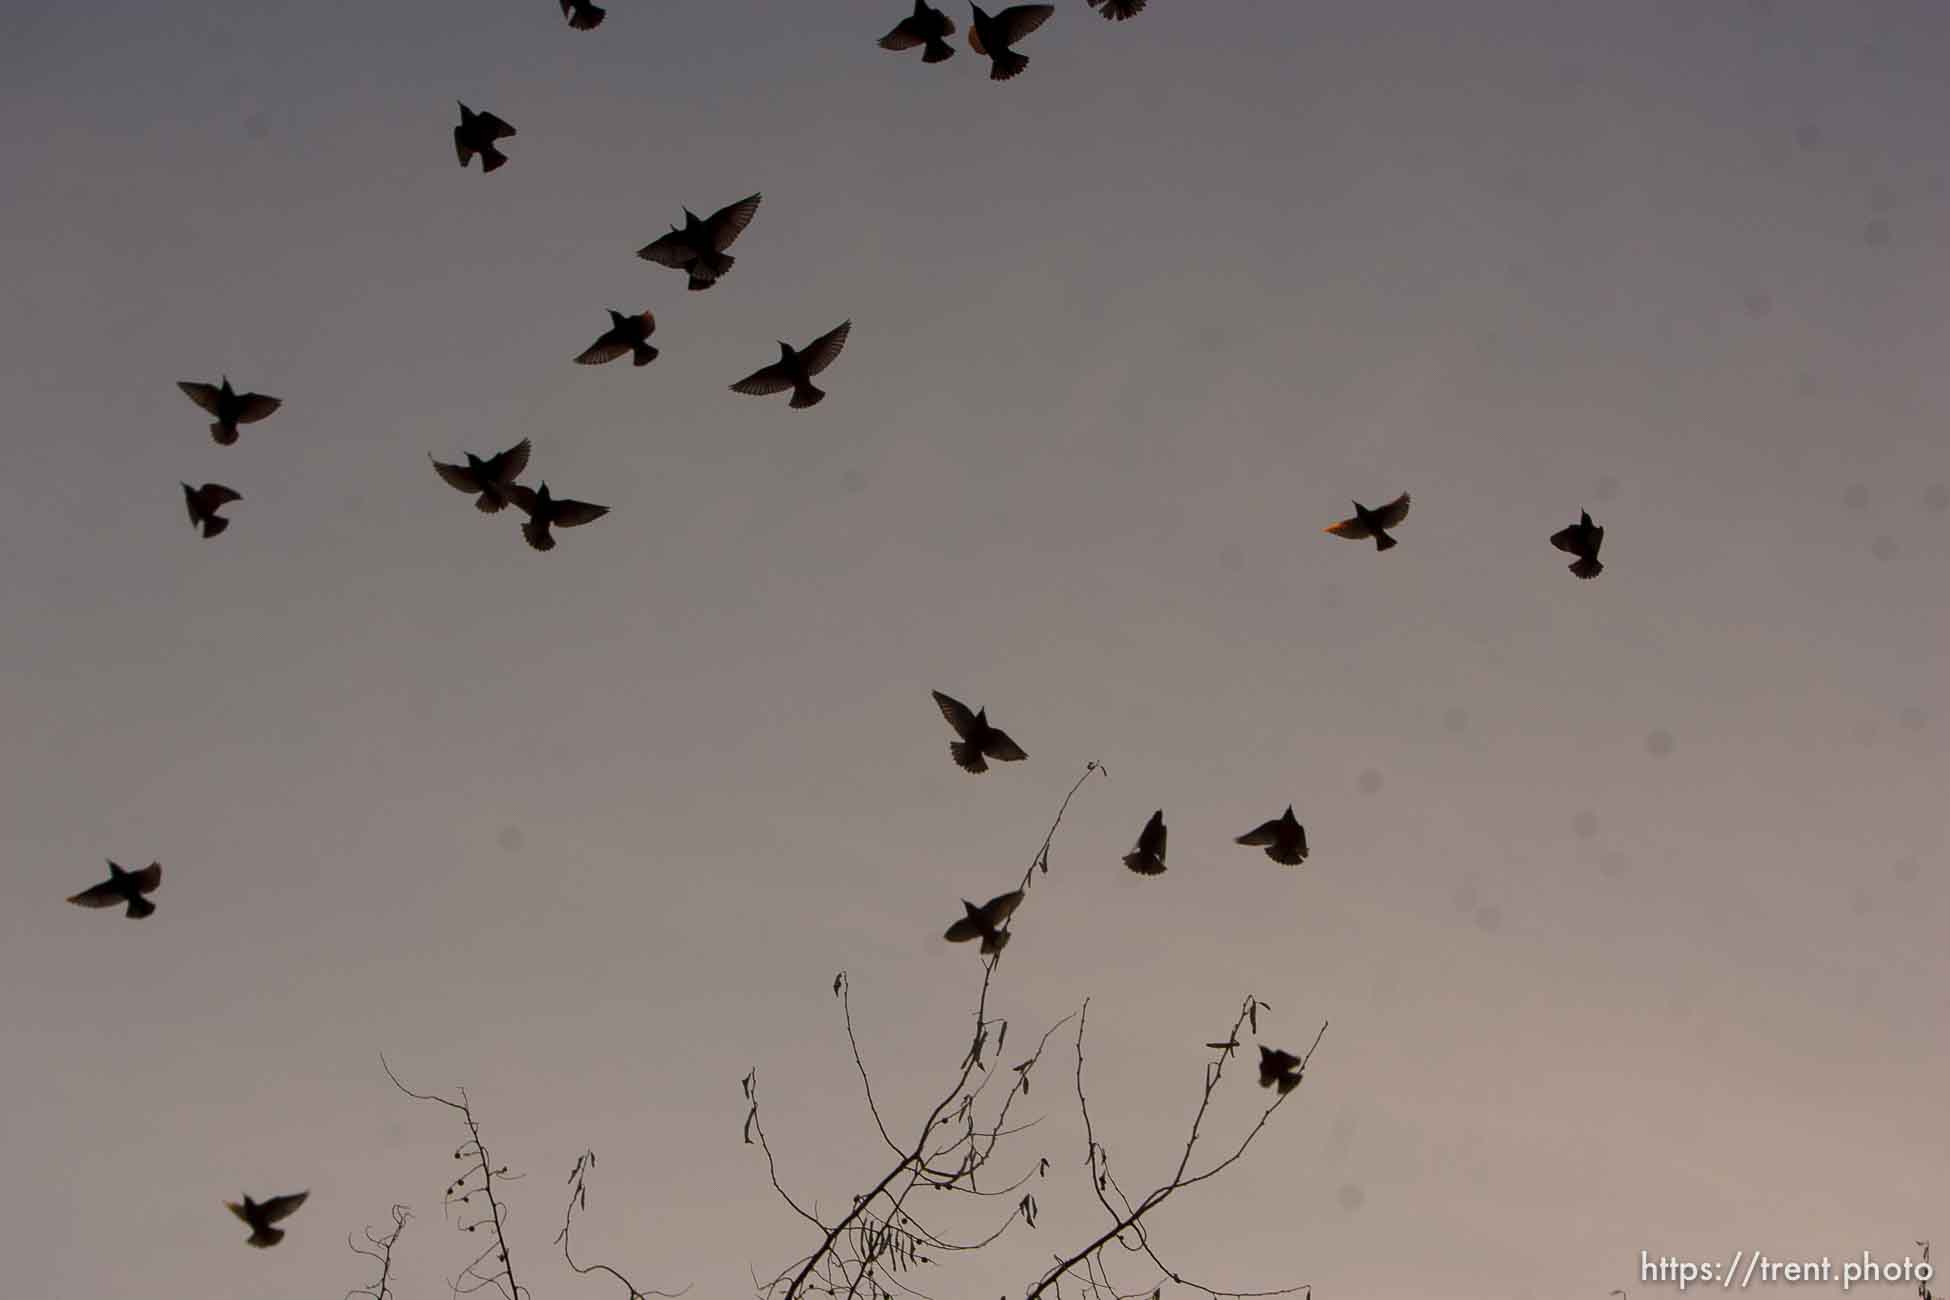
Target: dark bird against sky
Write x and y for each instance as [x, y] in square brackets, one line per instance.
[231, 407]
[985, 922]
[1277, 1068]
[795, 369]
[626, 334]
[1283, 838]
[262, 1214]
[1581, 539]
[205, 501]
[490, 479]
[123, 887]
[925, 26]
[583, 15]
[1372, 523]
[979, 740]
[992, 36]
[1148, 858]
[699, 248]
[544, 511]
[476, 134]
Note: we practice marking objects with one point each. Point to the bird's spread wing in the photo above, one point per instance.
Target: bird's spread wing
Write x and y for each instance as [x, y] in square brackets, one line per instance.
[1261, 835]
[105, 894]
[458, 477]
[1017, 21]
[238, 1210]
[669, 250]
[959, 715]
[204, 395]
[1352, 529]
[606, 348]
[903, 37]
[148, 879]
[507, 466]
[824, 350]
[252, 407]
[727, 223]
[1566, 539]
[999, 746]
[1394, 512]
[216, 494]
[774, 378]
[1001, 908]
[573, 514]
[496, 128]
[282, 1207]
[523, 497]
[963, 930]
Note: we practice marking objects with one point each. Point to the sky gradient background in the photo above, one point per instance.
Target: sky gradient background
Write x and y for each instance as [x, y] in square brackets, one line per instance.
[1628, 898]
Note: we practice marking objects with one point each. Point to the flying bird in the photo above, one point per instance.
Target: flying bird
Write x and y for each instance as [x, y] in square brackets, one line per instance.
[231, 407]
[1118, 10]
[985, 922]
[584, 16]
[476, 134]
[993, 36]
[978, 739]
[544, 510]
[123, 887]
[795, 369]
[629, 334]
[699, 248]
[490, 480]
[205, 501]
[1582, 539]
[925, 26]
[1283, 838]
[262, 1214]
[1372, 523]
[1148, 858]
[1278, 1068]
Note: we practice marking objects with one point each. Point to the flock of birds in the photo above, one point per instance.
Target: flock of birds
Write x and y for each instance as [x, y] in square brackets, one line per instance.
[698, 249]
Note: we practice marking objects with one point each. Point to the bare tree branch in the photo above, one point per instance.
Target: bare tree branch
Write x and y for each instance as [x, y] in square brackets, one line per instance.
[579, 1199]
[380, 1249]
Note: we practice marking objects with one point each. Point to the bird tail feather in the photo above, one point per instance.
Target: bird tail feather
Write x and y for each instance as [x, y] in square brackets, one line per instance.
[491, 158]
[1383, 542]
[214, 525]
[804, 395]
[967, 756]
[938, 51]
[225, 434]
[266, 1237]
[643, 354]
[1588, 568]
[1008, 64]
[140, 907]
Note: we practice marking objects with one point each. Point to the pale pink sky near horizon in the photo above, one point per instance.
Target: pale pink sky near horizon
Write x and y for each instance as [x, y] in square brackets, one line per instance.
[1627, 899]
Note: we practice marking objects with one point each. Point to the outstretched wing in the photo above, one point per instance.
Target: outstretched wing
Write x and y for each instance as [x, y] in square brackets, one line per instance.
[729, 222]
[1261, 835]
[105, 894]
[523, 497]
[573, 514]
[1017, 21]
[1566, 539]
[963, 930]
[204, 395]
[606, 348]
[669, 250]
[959, 715]
[1352, 529]
[999, 746]
[252, 407]
[507, 466]
[903, 37]
[1001, 907]
[774, 378]
[238, 1210]
[496, 128]
[458, 477]
[282, 1207]
[824, 350]
[216, 494]
[1394, 512]
[148, 879]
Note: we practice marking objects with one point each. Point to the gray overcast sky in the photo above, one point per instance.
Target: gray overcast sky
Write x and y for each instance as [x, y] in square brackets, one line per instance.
[1628, 898]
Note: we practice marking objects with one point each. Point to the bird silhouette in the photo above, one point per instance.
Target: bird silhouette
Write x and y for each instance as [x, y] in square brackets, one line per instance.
[582, 15]
[489, 480]
[629, 334]
[1118, 10]
[978, 739]
[231, 407]
[795, 369]
[1277, 1068]
[262, 1214]
[1372, 523]
[985, 922]
[699, 248]
[1581, 539]
[992, 36]
[123, 887]
[205, 501]
[476, 134]
[544, 510]
[1148, 858]
[1283, 838]
[926, 26]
